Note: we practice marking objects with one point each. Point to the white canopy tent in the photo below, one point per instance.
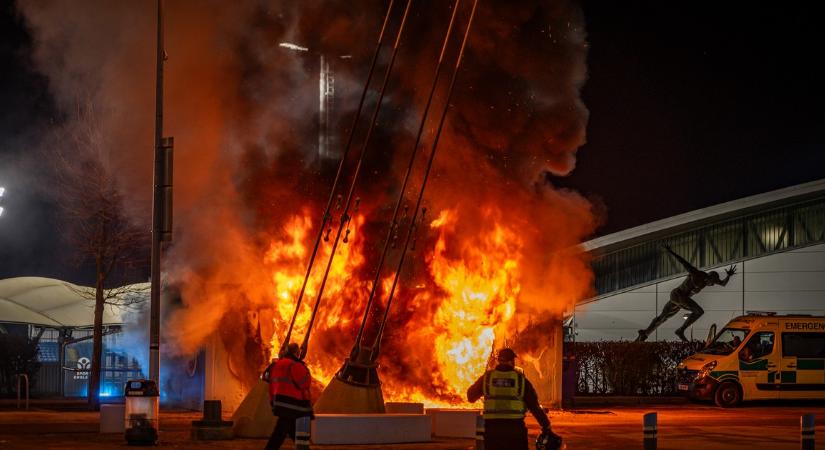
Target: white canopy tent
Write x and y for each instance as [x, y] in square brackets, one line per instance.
[53, 303]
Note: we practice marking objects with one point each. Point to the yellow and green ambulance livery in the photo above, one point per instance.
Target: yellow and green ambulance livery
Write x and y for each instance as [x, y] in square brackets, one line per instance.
[759, 356]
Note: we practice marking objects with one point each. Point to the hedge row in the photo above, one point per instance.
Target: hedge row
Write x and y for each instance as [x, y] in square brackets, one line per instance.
[628, 368]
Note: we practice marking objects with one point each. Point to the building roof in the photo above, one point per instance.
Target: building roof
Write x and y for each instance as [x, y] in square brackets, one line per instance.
[789, 194]
[54, 303]
[712, 237]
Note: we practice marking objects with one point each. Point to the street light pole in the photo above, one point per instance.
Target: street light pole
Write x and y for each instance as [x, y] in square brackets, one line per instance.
[326, 97]
[157, 208]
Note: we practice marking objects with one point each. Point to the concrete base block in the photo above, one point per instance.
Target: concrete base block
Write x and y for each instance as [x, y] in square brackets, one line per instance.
[370, 428]
[404, 408]
[340, 397]
[217, 433]
[112, 418]
[253, 418]
[458, 423]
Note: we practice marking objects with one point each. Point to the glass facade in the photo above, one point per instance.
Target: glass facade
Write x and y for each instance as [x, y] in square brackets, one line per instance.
[118, 364]
[726, 241]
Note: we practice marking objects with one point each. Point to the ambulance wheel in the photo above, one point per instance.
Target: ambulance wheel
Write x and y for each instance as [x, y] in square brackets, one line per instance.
[728, 395]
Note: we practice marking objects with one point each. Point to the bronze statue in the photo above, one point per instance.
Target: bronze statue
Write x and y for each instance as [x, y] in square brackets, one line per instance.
[680, 298]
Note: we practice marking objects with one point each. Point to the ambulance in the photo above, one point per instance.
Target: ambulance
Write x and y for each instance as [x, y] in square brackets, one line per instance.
[758, 356]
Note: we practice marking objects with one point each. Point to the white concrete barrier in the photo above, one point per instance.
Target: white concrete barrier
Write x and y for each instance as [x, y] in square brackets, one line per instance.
[112, 418]
[460, 423]
[330, 429]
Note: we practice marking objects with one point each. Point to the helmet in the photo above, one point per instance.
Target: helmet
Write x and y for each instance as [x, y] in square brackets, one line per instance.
[506, 354]
[548, 440]
[293, 349]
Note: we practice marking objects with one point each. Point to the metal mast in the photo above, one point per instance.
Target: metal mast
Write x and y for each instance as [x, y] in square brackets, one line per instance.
[161, 205]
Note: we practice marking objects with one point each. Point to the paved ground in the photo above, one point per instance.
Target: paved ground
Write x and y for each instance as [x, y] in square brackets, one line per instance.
[763, 426]
[700, 427]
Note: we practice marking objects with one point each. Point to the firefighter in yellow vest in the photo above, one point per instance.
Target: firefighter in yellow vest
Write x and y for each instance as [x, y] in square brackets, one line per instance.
[508, 394]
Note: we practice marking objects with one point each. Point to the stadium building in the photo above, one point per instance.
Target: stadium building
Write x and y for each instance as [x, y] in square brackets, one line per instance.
[59, 316]
[776, 241]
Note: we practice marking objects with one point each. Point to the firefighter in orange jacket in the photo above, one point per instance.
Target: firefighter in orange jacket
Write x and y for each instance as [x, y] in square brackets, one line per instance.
[289, 381]
[508, 394]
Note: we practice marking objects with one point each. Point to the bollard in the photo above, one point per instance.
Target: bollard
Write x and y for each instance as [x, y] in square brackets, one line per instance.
[302, 427]
[212, 427]
[479, 432]
[22, 376]
[650, 430]
[212, 411]
[807, 428]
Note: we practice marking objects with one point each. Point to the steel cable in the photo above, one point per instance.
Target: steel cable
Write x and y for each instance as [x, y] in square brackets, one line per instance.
[400, 200]
[341, 163]
[383, 322]
[345, 218]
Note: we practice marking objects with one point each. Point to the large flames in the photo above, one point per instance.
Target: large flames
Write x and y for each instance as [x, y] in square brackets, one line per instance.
[481, 286]
[344, 295]
[288, 259]
[496, 264]
[462, 310]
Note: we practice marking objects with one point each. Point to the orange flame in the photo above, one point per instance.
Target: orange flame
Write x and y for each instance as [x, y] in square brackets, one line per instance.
[288, 258]
[482, 286]
[465, 310]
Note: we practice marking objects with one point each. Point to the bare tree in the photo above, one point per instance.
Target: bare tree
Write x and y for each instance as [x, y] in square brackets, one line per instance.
[96, 224]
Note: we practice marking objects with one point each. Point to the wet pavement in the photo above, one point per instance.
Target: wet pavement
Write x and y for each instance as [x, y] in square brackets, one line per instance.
[689, 426]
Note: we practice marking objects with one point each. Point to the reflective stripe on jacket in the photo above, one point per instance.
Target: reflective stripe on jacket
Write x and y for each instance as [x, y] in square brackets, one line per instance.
[290, 378]
[504, 395]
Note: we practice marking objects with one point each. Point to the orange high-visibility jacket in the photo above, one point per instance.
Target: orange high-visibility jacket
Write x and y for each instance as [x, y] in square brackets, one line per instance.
[290, 378]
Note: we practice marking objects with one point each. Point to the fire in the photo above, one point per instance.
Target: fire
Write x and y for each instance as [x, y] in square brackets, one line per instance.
[481, 285]
[476, 278]
[288, 256]
[463, 311]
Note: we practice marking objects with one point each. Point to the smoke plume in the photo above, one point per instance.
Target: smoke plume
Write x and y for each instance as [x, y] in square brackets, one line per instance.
[250, 191]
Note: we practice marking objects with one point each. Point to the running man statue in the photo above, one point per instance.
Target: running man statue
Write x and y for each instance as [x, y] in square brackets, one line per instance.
[681, 297]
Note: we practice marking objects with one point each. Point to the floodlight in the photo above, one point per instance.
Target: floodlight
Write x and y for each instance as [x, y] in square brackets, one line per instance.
[292, 46]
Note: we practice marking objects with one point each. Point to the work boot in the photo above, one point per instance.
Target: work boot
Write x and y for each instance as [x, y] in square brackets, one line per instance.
[642, 336]
[681, 333]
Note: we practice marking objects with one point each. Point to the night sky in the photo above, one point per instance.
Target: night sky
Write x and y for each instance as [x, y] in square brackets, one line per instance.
[691, 104]
[698, 103]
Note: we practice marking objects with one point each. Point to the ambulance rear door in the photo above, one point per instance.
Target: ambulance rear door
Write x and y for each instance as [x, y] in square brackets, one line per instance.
[803, 360]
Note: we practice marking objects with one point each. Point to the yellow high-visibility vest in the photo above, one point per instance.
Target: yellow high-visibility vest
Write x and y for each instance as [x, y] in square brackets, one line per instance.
[504, 395]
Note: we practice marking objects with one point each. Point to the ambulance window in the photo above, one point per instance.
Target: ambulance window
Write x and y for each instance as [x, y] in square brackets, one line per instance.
[803, 345]
[726, 341]
[758, 346]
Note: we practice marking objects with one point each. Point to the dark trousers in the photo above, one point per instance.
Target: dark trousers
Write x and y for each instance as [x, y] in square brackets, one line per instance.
[283, 428]
[505, 434]
[678, 301]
